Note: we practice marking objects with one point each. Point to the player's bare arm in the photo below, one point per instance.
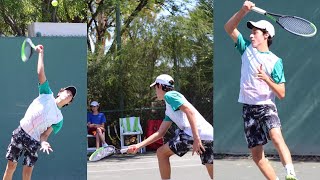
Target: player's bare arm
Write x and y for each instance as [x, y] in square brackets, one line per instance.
[40, 70]
[45, 135]
[278, 89]
[197, 144]
[232, 24]
[165, 125]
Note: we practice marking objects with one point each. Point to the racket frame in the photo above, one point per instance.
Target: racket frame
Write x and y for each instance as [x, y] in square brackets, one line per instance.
[273, 17]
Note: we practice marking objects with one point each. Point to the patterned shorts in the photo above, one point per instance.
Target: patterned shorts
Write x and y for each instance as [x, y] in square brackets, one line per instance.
[182, 143]
[258, 121]
[21, 142]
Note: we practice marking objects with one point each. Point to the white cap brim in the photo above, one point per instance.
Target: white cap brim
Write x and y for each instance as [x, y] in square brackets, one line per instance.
[151, 85]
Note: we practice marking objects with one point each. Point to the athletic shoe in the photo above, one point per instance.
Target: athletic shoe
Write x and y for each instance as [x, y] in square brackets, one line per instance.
[291, 177]
[105, 145]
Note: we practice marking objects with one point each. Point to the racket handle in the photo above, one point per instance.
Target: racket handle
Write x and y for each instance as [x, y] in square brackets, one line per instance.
[124, 150]
[258, 10]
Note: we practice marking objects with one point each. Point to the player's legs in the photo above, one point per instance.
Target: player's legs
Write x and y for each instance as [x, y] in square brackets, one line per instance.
[210, 170]
[273, 124]
[263, 164]
[27, 172]
[14, 151]
[280, 145]
[163, 155]
[207, 157]
[11, 167]
[254, 121]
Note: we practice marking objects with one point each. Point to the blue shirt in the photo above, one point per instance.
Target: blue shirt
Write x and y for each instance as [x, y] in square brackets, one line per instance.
[96, 119]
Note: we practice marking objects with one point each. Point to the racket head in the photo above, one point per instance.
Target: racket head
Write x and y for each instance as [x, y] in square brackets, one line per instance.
[26, 50]
[297, 25]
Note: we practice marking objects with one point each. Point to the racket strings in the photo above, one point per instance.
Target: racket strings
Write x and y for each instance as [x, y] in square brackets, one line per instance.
[297, 25]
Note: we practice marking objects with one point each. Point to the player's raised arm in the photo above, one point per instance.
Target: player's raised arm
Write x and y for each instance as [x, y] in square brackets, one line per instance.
[40, 70]
[232, 24]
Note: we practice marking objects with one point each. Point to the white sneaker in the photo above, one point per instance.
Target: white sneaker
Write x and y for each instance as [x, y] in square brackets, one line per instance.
[291, 177]
[105, 145]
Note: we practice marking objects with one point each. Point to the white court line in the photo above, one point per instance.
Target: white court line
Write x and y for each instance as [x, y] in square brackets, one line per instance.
[140, 162]
[134, 169]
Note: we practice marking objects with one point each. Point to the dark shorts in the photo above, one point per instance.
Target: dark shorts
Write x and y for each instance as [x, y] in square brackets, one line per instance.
[93, 130]
[21, 142]
[182, 143]
[258, 121]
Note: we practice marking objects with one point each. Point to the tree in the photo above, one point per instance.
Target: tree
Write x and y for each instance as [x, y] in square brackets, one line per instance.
[17, 15]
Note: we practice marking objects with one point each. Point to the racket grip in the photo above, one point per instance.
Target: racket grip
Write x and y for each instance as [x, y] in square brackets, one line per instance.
[258, 10]
[124, 150]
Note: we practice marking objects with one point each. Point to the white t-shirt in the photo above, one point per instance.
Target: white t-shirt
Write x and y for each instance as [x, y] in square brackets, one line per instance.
[42, 113]
[174, 100]
[253, 90]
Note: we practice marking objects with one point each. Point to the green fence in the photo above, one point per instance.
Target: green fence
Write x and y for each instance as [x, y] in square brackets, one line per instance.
[65, 64]
[299, 111]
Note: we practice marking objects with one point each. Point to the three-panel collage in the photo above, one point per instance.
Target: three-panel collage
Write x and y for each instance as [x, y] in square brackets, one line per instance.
[160, 89]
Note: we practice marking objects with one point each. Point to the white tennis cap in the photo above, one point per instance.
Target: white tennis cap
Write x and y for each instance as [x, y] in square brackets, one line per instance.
[163, 79]
[262, 24]
[94, 103]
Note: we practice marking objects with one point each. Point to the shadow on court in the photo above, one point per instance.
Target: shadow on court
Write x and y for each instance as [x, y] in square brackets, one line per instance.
[145, 167]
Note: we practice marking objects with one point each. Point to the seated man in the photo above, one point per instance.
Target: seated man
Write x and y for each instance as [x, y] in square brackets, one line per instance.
[95, 124]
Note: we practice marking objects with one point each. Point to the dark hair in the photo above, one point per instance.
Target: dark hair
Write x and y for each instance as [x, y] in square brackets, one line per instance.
[166, 88]
[269, 37]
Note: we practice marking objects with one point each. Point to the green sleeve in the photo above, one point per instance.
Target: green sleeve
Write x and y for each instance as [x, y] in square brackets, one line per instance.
[174, 99]
[242, 44]
[166, 118]
[44, 88]
[277, 73]
[56, 127]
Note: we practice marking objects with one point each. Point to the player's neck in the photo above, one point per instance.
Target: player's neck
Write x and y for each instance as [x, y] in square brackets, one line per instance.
[263, 48]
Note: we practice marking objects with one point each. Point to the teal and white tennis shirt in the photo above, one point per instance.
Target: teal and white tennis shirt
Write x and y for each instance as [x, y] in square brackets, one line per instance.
[173, 101]
[42, 113]
[253, 90]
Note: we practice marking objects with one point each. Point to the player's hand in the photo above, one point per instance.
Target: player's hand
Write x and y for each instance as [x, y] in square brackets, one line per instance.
[133, 149]
[197, 147]
[45, 147]
[247, 6]
[261, 74]
[39, 49]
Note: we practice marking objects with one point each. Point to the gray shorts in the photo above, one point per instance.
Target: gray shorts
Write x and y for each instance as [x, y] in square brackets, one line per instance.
[258, 121]
[182, 143]
[21, 142]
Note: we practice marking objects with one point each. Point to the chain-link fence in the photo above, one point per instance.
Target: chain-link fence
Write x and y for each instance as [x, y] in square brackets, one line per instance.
[155, 112]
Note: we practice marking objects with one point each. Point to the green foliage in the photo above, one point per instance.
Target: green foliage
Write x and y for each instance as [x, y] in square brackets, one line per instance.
[180, 45]
[17, 15]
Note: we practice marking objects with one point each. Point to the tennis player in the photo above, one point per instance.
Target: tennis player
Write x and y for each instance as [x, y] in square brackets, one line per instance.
[43, 117]
[194, 131]
[262, 78]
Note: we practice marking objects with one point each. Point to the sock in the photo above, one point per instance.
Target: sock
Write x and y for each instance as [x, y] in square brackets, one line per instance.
[290, 169]
[277, 178]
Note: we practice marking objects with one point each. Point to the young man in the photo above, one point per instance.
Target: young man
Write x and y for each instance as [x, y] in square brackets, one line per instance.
[194, 131]
[262, 78]
[43, 117]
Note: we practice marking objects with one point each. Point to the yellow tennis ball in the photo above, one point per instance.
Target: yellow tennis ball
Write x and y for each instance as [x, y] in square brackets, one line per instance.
[54, 3]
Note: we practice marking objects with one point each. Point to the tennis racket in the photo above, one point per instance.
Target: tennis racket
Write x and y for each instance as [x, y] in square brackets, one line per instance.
[293, 24]
[27, 49]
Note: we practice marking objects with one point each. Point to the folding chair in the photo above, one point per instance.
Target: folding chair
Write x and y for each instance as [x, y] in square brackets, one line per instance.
[130, 126]
[90, 149]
